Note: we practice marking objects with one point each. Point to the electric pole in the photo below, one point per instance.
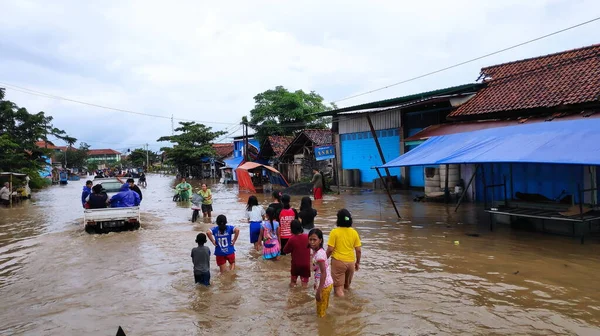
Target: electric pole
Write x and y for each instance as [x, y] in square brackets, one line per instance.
[147, 159]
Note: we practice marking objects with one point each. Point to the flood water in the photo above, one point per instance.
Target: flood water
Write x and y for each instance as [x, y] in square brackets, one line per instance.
[55, 279]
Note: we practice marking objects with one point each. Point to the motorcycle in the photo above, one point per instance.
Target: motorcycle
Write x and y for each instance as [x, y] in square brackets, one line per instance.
[196, 206]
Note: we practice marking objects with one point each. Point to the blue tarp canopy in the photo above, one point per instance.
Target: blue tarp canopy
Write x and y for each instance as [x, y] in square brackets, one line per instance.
[559, 142]
[233, 163]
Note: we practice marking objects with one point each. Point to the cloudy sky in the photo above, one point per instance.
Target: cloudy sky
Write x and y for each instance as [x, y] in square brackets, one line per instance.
[206, 60]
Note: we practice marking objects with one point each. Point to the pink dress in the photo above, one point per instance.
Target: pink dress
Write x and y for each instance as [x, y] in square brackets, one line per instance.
[271, 248]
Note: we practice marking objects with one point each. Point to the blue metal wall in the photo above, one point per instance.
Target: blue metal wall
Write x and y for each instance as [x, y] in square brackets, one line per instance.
[545, 179]
[416, 174]
[360, 152]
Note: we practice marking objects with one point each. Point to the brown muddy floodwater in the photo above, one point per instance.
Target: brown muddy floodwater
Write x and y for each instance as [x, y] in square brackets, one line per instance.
[55, 279]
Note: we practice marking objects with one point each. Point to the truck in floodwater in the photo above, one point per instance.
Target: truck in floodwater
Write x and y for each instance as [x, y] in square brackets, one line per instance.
[111, 219]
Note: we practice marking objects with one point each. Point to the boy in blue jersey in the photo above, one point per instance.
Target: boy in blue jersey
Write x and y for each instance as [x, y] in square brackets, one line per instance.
[221, 237]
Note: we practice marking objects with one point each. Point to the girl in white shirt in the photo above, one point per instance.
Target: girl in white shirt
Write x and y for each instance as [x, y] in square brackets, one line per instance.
[255, 214]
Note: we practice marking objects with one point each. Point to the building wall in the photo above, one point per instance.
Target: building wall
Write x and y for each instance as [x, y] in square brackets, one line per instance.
[101, 158]
[358, 151]
[533, 178]
[354, 123]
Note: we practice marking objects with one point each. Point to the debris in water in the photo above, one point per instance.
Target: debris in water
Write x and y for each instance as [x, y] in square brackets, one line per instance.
[472, 234]
[456, 242]
[417, 227]
[515, 273]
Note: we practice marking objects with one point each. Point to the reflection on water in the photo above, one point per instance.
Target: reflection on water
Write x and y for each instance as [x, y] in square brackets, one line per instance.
[57, 280]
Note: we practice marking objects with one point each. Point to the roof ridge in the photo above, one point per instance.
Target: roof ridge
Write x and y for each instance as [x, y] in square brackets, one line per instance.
[597, 45]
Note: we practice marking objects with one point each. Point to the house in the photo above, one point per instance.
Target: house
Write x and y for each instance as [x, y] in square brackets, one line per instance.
[558, 87]
[237, 157]
[212, 166]
[298, 159]
[391, 121]
[273, 146]
[103, 157]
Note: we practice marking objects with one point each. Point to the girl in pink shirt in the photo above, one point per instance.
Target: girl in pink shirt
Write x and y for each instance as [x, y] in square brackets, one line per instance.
[323, 281]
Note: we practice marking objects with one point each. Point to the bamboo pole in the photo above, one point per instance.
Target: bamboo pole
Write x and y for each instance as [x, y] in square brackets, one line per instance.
[388, 193]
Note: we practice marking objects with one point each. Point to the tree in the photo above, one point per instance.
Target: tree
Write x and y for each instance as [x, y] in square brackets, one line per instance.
[281, 112]
[75, 157]
[20, 130]
[190, 146]
[137, 157]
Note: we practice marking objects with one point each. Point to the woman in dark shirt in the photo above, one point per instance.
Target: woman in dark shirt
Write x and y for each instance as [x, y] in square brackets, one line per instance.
[307, 214]
[277, 204]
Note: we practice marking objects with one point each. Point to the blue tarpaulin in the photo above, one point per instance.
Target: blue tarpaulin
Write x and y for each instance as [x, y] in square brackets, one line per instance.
[557, 142]
[234, 163]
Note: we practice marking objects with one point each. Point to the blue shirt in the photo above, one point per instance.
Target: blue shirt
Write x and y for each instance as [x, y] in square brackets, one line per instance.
[85, 193]
[223, 241]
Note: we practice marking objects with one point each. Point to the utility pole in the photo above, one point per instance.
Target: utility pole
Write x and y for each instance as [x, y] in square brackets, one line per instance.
[245, 134]
[147, 159]
[172, 128]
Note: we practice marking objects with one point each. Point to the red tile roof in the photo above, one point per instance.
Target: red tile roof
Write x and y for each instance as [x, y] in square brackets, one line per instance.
[223, 149]
[102, 152]
[42, 144]
[279, 143]
[319, 137]
[565, 78]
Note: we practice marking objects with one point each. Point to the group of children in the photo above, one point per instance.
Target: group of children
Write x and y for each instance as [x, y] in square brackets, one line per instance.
[279, 230]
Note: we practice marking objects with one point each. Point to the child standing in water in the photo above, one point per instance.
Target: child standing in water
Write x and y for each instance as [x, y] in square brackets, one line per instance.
[269, 235]
[221, 237]
[286, 216]
[255, 215]
[297, 245]
[323, 280]
[201, 260]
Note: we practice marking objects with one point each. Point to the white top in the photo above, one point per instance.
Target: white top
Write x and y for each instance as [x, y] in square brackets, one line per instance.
[5, 194]
[257, 213]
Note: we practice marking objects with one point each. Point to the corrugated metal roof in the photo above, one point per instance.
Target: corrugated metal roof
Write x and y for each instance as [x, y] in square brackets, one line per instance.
[465, 88]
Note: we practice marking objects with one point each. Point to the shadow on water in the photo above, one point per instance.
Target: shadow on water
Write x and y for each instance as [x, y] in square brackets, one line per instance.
[414, 279]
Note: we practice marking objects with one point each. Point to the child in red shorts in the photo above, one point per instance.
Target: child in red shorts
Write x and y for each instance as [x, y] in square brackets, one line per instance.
[221, 237]
[298, 247]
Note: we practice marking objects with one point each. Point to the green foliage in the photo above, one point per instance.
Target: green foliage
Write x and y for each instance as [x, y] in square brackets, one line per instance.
[19, 131]
[281, 112]
[137, 158]
[193, 143]
[76, 157]
[35, 180]
[92, 166]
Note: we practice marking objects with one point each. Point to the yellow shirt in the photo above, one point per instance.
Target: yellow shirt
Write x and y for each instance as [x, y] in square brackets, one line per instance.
[344, 240]
[205, 195]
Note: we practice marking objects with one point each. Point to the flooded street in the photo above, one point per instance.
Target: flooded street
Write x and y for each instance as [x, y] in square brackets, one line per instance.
[55, 279]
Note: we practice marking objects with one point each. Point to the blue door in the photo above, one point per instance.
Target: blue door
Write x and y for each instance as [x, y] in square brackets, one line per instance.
[416, 174]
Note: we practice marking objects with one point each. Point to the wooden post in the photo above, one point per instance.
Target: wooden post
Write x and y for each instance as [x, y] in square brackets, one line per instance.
[374, 134]
[466, 188]
[446, 191]
[388, 193]
[10, 190]
[335, 166]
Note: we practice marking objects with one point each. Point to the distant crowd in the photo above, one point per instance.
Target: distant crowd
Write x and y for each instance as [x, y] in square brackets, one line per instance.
[281, 230]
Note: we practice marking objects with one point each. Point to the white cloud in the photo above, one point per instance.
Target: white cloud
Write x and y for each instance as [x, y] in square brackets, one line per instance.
[205, 61]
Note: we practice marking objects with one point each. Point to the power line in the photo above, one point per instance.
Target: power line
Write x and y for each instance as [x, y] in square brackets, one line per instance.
[469, 61]
[46, 95]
